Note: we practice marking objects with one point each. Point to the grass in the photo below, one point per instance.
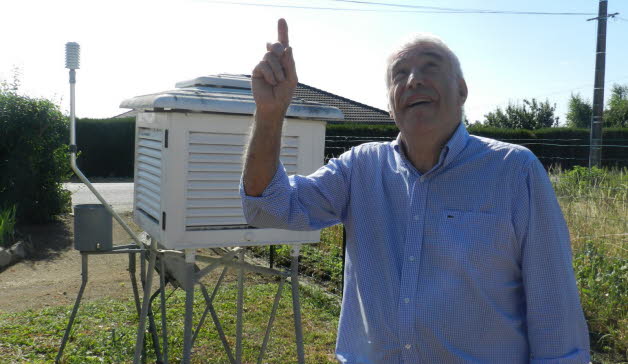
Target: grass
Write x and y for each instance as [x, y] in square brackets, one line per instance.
[104, 330]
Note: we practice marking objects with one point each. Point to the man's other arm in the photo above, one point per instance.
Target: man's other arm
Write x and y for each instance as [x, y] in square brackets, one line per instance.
[557, 330]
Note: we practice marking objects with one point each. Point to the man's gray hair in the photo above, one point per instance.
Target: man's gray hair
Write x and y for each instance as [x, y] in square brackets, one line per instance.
[418, 39]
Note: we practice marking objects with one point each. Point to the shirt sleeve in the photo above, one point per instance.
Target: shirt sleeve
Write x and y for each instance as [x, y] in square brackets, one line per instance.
[302, 202]
[557, 330]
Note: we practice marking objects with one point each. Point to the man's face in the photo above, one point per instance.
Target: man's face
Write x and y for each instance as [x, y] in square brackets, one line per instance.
[424, 92]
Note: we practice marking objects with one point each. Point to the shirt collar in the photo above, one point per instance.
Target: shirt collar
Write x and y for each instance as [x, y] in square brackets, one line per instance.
[450, 151]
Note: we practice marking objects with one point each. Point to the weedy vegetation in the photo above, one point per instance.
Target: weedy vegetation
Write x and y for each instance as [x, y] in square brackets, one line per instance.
[595, 204]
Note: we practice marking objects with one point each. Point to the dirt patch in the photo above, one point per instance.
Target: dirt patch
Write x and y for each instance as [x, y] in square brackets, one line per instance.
[51, 276]
[52, 273]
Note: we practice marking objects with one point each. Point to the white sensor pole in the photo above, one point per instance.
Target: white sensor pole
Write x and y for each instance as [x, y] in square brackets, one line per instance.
[72, 58]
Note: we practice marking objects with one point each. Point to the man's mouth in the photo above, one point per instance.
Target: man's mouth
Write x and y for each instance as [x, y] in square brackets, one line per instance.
[418, 103]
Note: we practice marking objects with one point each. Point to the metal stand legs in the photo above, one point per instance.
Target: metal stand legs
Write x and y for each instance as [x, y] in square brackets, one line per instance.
[131, 250]
[147, 288]
[189, 305]
[296, 306]
[241, 266]
[76, 306]
[188, 280]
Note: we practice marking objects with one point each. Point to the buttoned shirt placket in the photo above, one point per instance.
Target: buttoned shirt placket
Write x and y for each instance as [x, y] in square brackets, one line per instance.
[412, 255]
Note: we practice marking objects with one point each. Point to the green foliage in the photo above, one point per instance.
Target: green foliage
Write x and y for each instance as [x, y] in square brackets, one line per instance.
[587, 182]
[579, 112]
[34, 158]
[7, 226]
[603, 282]
[531, 115]
[355, 129]
[616, 114]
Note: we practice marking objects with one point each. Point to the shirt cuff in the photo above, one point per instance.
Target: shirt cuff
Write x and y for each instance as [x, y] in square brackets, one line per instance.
[276, 183]
[578, 356]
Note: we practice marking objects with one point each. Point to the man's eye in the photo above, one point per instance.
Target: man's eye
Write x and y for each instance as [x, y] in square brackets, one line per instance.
[431, 67]
[399, 74]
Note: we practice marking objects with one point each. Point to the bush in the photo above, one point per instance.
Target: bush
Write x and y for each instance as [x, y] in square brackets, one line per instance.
[34, 160]
[603, 282]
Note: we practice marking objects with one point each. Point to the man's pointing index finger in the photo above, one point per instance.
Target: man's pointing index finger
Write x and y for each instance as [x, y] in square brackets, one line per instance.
[282, 32]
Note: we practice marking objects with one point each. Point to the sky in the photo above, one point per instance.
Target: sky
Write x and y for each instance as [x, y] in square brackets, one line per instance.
[137, 47]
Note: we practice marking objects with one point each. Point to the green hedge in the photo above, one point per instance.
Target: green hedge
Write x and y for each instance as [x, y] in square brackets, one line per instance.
[34, 159]
[564, 147]
[107, 145]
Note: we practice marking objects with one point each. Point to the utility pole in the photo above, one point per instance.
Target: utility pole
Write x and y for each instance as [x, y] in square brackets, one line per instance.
[595, 144]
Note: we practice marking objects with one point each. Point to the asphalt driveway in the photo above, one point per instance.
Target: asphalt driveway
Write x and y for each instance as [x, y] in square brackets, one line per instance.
[118, 195]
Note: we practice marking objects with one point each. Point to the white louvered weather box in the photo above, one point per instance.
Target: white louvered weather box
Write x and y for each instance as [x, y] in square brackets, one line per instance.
[188, 161]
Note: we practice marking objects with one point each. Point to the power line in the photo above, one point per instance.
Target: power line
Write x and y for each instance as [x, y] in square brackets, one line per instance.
[420, 9]
[321, 8]
[465, 11]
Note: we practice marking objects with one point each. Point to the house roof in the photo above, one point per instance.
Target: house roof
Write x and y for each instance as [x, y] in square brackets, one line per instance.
[354, 112]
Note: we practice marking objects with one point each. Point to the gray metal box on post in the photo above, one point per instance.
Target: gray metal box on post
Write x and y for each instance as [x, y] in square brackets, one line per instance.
[92, 228]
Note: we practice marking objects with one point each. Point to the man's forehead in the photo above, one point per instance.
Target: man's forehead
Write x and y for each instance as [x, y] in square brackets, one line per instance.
[420, 50]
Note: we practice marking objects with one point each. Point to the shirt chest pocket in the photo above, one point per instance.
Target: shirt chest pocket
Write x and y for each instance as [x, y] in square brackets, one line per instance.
[469, 236]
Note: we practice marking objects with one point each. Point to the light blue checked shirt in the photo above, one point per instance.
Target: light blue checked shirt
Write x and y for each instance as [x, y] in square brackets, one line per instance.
[467, 263]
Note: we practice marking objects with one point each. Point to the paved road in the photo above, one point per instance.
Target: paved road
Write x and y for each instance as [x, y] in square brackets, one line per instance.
[118, 195]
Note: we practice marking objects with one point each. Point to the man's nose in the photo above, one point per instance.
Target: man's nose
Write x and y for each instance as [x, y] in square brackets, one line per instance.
[415, 78]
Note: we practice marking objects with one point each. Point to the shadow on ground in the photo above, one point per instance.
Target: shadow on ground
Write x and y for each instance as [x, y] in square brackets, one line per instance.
[47, 241]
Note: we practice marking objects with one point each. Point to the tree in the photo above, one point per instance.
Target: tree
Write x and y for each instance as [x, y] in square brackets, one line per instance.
[616, 114]
[14, 85]
[530, 115]
[579, 112]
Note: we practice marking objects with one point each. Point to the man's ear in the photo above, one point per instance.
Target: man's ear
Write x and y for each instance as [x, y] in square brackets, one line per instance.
[463, 90]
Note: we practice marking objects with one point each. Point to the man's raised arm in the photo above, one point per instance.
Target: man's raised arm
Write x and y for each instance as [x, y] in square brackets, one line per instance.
[273, 82]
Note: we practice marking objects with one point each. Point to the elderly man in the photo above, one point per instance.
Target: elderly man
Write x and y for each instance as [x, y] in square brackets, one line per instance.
[457, 250]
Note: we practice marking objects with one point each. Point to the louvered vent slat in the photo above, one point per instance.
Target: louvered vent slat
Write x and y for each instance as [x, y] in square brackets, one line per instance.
[196, 222]
[149, 169]
[217, 176]
[213, 175]
[156, 162]
[201, 194]
[214, 202]
[148, 176]
[210, 212]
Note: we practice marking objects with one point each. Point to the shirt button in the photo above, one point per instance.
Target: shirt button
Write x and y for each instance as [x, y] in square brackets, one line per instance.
[408, 346]
[406, 300]
[416, 217]
[411, 258]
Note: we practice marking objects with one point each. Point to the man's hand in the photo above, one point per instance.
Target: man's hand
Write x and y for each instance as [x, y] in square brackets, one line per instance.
[275, 78]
